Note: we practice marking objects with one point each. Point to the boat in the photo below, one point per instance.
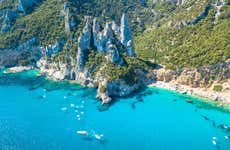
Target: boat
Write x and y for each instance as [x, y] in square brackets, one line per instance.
[63, 108]
[82, 132]
[213, 142]
[98, 137]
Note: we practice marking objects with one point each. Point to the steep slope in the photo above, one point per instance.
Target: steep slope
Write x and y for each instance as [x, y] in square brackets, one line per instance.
[189, 38]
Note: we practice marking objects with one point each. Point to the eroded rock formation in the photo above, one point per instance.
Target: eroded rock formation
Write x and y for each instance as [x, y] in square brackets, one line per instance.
[26, 6]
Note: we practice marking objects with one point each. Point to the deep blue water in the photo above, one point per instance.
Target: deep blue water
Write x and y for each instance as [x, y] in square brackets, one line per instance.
[154, 119]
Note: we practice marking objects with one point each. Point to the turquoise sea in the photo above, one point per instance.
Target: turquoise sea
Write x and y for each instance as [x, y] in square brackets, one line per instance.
[37, 114]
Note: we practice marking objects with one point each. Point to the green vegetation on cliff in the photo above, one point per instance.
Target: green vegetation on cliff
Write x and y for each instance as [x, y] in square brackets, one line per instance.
[188, 46]
[168, 42]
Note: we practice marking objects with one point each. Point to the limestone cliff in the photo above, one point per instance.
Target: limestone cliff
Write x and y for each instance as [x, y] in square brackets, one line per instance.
[201, 77]
[111, 45]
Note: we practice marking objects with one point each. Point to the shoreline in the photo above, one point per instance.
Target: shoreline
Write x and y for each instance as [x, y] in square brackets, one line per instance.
[222, 97]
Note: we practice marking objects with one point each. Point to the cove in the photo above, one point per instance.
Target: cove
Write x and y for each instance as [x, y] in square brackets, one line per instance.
[37, 114]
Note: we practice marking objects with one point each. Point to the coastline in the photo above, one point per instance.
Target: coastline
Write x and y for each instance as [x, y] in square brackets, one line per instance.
[221, 97]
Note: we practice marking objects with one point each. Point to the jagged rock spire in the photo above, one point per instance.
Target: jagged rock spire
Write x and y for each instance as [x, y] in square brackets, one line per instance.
[113, 54]
[84, 42]
[70, 22]
[97, 35]
[126, 36]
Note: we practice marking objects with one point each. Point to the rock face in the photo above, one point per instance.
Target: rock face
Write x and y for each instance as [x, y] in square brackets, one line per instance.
[52, 50]
[126, 36]
[8, 18]
[84, 43]
[177, 2]
[26, 6]
[113, 54]
[25, 52]
[105, 41]
[201, 16]
[70, 22]
[197, 77]
[181, 2]
[97, 36]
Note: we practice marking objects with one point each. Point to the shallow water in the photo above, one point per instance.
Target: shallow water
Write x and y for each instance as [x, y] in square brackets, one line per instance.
[39, 119]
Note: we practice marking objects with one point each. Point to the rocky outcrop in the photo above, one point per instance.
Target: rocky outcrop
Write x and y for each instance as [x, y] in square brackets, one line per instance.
[218, 6]
[54, 49]
[70, 22]
[177, 2]
[196, 77]
[93, 38]
[7, 18]
[97, 36]
[84, 43]
[25, 52]
[201, 16]
[181, 2]
[105, 41]
[126, 36]
[26, 6]
[113, 55]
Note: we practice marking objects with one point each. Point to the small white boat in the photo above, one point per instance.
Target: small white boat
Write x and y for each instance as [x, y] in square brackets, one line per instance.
[226, 137]
[65, 97]
[82, 132]
[213, 142]
[214, 138]
[78, 116]
[98, 137]
[63, 108]
[72, 105]
[82, 112]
